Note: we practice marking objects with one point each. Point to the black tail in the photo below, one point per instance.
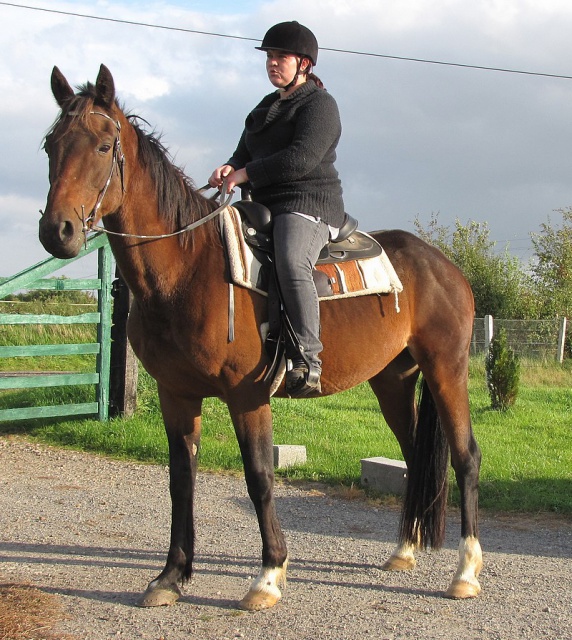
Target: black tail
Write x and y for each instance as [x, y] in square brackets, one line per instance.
[423, 515]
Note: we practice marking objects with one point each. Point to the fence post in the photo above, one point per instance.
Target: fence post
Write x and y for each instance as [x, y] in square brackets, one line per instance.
[489, 332]
[561, 340]
[104, 331]
[124, 366]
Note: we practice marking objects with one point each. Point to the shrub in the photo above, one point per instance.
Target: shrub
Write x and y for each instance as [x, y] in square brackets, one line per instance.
[503, 372]
[500, 284]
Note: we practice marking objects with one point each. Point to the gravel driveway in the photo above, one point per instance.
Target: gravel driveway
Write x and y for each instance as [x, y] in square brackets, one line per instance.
[94, 531]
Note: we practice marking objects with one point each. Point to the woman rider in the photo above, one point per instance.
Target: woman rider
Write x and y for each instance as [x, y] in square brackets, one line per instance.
[286, 153]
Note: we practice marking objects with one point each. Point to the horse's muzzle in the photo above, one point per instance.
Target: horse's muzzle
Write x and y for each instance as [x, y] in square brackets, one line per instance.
[60, 237]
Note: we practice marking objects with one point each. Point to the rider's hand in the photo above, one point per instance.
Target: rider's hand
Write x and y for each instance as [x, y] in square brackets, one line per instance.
[219, 174]
[235, 178]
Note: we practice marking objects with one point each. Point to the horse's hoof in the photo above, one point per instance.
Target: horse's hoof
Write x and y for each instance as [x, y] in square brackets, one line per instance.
[258, 600]
[159, 597]
[461, 590]
[465, 584]
[402, 558]
[399, 563]
[264, 591]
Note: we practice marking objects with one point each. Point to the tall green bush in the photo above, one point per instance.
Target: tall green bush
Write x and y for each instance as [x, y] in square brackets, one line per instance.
[552, 269]
[503, 372]
[501, 286]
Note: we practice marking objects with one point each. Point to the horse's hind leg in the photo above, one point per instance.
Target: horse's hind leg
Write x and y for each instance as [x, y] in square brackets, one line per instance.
[450, 394]
[183, 426]
[253, 426]
[442, 419]
[466, 461]
[395, 388]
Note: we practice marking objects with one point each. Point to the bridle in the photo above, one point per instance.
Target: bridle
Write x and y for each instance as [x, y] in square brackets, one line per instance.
[118, 163]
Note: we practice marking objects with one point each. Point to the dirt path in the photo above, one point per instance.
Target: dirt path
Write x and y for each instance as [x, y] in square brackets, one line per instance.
[94, 532]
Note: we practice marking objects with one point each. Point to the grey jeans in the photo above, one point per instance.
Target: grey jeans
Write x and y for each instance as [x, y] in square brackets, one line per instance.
[297, 245]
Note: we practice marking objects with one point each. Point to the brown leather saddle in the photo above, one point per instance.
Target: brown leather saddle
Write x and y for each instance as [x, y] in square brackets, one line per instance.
[350, 244]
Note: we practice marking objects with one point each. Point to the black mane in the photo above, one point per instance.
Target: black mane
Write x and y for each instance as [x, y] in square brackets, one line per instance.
[178, 200]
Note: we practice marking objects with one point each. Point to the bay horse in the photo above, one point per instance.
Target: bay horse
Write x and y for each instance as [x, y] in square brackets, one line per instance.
[103, 163]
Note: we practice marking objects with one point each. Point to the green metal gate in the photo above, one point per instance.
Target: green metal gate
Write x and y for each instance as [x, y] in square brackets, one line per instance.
[35, 278]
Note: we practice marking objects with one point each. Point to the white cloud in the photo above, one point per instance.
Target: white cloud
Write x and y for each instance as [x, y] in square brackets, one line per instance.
[14, 212]
[418, 138]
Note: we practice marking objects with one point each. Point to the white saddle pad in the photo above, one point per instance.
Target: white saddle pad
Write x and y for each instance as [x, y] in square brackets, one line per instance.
[348, 279]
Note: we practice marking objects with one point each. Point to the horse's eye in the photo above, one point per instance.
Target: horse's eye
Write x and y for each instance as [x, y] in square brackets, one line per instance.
[104, 148]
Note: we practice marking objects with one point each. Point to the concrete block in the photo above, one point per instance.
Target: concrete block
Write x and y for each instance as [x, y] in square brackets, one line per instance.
[384, 475]
[286, 455]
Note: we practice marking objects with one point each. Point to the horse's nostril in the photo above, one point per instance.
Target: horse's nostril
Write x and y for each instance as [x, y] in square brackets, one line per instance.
[59, 237]
[66, 230]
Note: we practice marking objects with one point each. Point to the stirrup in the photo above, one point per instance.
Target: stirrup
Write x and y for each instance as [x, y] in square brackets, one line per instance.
[303, 381]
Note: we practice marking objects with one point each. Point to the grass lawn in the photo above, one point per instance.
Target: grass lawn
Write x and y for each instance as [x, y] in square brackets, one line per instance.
[527, 450]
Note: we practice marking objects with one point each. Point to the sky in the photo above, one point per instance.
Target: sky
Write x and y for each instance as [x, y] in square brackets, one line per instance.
[420, 138]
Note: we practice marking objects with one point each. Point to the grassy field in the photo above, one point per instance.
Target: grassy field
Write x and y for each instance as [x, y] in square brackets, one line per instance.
[527, 451]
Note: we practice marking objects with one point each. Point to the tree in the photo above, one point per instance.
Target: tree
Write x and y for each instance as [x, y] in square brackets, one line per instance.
[69, 296]
[500, 285]
[552, 268]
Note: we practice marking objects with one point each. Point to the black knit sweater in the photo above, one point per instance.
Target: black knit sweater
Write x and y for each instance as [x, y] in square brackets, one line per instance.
[288, 147]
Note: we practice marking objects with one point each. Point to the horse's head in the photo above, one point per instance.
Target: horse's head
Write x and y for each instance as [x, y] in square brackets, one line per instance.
[85, 163]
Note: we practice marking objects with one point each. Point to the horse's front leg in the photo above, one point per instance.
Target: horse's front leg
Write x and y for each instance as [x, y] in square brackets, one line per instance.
[182, 419]
[253, 428]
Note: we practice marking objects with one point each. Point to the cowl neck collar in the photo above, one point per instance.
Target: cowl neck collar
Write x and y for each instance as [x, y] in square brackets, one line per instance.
[265, 114]
[302, 90]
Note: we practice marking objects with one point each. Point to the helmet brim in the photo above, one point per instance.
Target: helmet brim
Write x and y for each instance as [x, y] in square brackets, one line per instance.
[296, 53]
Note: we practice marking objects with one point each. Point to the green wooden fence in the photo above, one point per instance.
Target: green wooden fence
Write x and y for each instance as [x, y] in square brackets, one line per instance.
[35, 278]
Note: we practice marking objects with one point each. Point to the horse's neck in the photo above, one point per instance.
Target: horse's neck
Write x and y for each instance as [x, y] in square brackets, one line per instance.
[154, 268]
[160, 269]
[157, 268]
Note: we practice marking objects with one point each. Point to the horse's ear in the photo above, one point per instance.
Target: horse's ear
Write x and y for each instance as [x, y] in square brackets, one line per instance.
[60, 87]
[105, 87]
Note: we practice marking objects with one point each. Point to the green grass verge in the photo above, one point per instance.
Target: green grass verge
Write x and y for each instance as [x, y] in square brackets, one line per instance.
[527, 451]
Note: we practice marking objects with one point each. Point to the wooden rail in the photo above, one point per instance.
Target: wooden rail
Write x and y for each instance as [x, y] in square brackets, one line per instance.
[35, 278]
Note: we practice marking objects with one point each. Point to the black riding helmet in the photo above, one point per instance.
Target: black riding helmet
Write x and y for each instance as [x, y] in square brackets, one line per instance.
[291, 37]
